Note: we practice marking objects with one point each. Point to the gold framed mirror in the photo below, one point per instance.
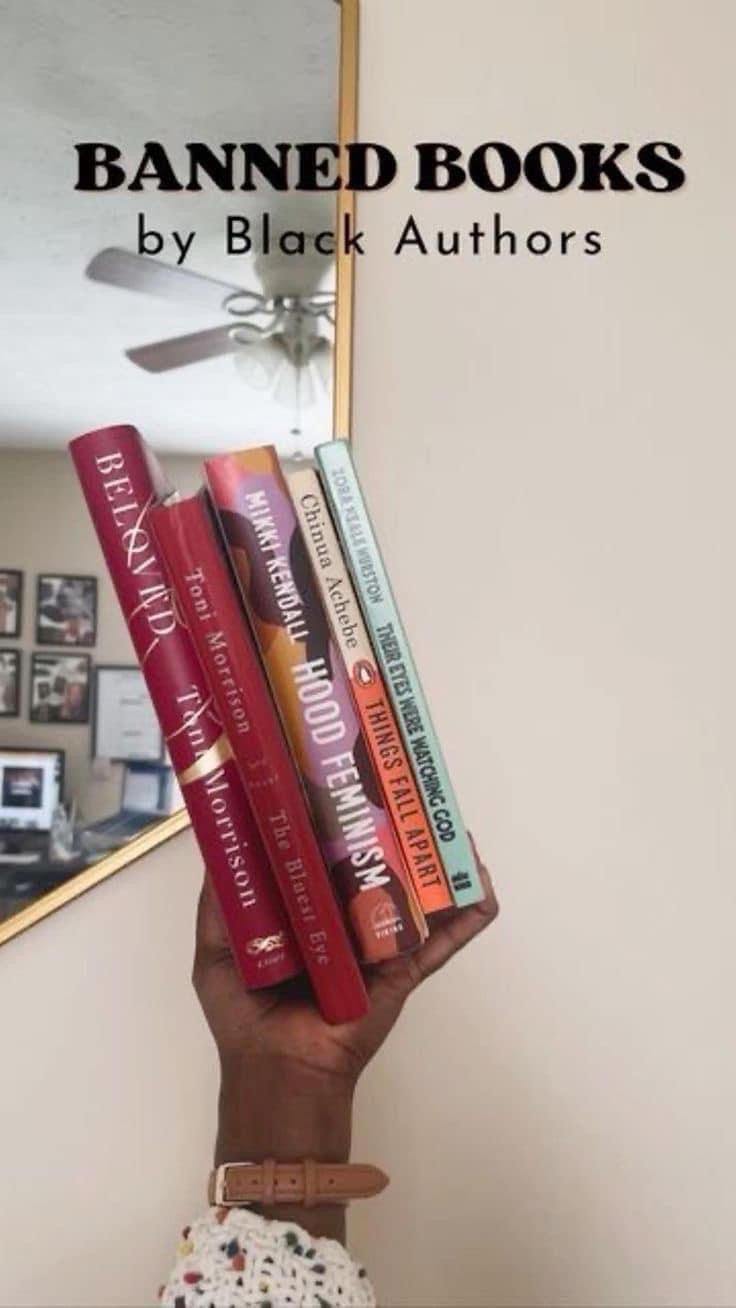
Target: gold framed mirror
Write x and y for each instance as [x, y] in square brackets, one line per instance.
[286, 71]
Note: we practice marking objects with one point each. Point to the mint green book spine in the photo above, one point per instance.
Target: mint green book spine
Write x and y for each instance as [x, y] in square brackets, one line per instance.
[392, 648]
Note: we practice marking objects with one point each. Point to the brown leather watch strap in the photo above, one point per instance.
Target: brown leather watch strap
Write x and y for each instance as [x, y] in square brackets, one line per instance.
[307, 1183]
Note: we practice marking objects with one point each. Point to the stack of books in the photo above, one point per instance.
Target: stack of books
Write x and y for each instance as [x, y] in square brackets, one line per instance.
[264, 622]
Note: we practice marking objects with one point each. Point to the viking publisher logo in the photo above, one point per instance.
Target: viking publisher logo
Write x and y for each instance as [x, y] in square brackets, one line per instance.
[386, 920]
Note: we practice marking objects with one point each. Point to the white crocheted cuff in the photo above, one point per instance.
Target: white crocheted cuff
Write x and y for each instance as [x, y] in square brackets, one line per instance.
[234, 1258]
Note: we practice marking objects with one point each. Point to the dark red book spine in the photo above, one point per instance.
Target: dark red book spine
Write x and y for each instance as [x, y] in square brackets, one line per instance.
[206, 592]
[122, 481]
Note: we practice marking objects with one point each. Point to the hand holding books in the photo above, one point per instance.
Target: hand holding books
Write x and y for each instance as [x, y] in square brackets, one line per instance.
[288, 1077]
[299, 732]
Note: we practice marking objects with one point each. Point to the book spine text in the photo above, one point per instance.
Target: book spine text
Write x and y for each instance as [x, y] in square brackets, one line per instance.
[311, 686]
[209, 601]
[121, 482]
[390, 642]
[369, 693]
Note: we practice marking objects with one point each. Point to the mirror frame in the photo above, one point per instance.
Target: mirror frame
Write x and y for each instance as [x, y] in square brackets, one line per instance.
[342, 414]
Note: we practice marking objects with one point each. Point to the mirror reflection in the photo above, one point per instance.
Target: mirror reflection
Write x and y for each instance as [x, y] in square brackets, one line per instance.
[204, 351]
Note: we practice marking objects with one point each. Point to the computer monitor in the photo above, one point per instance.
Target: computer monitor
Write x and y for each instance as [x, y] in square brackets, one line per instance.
[31, 787]
[147, 789]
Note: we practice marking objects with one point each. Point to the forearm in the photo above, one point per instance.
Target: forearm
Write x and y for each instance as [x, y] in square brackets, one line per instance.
[233, 1256]
[271, 1110]
[288, 1080]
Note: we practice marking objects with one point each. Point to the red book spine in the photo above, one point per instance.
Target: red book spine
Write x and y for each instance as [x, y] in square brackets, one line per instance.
[121, 481]
[205, 589]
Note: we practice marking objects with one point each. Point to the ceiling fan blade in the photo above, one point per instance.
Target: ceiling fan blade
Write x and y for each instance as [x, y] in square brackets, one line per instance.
[179, 351]
[139, 272]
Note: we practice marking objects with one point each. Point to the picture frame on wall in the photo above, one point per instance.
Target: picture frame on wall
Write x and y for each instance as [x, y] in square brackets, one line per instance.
[11, 603]
[66, 610]
[9, 683]
[125, 728]
[60, 688]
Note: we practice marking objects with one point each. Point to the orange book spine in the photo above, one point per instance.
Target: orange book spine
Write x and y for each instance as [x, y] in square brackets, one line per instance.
[372, 702]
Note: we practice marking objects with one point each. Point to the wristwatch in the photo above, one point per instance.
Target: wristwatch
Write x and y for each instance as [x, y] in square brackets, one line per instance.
[234, 1185]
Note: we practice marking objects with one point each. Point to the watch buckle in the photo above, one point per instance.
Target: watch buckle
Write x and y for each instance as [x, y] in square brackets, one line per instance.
[220, 1188]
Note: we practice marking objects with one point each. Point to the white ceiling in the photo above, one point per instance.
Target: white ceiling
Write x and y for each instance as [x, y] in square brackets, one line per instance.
[171, 71]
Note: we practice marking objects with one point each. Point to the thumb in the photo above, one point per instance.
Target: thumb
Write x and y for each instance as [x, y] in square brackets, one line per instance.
[211, 942]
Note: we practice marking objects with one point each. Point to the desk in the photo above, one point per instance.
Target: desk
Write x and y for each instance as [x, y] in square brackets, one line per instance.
[23, 883]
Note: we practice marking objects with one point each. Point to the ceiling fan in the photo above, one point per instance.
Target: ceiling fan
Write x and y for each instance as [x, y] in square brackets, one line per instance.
[282, 342]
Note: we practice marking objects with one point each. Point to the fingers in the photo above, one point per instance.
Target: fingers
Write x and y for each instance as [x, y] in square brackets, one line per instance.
[457, 931]
[394, 980]
[450, 932]
[453, 931]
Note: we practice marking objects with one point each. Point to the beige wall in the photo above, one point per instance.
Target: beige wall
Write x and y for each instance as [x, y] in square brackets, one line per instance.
[107, 1091]
[45, 527]
[557, 1111]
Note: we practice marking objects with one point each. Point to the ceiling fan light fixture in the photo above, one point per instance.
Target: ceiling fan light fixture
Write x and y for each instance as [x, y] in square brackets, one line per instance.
[259, 363]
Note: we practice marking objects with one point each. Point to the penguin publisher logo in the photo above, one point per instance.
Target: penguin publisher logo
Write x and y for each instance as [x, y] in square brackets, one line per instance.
[365, 673]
